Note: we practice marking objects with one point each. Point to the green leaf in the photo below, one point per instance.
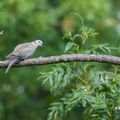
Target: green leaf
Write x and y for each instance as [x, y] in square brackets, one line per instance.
[69, 46]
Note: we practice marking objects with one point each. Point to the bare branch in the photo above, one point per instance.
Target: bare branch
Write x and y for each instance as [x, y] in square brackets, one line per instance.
[66, 58]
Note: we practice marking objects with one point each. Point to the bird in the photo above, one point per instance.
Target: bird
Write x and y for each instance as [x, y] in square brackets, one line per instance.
[21, 52]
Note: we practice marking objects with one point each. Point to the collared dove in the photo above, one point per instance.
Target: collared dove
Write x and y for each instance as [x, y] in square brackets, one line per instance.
[22, 52]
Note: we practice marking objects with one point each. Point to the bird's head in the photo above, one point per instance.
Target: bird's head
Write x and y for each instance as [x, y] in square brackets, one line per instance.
[38, 42]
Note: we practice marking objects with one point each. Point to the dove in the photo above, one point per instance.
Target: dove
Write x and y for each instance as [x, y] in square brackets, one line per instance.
[22, 52]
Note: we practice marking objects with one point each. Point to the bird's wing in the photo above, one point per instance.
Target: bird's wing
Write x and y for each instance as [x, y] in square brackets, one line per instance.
[8, 56]
[23, 46]
[23, 50]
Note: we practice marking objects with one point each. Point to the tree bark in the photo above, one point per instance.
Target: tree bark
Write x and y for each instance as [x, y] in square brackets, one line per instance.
[65, 58]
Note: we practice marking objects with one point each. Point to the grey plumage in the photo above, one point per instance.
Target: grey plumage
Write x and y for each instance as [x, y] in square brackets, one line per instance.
[22, 51]
[10, 65]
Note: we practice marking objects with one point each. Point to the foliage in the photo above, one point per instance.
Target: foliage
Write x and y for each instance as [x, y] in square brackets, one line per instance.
[84, 85]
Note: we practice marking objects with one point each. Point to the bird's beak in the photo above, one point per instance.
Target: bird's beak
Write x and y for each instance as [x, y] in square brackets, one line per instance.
[41, 45]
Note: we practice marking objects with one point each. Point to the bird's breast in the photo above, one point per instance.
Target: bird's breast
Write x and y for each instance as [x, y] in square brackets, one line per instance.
[29, 52]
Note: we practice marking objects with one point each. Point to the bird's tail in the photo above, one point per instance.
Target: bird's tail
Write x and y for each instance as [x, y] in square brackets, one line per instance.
[10, 65]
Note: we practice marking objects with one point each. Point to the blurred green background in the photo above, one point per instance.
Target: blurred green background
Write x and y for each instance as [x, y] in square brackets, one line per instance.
[21, 95]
